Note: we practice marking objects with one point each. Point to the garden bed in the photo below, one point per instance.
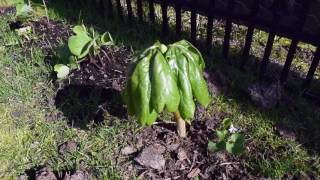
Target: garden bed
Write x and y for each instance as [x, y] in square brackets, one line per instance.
[104, 76]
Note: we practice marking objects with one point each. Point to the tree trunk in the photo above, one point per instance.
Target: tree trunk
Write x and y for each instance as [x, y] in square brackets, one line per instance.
[181, 125]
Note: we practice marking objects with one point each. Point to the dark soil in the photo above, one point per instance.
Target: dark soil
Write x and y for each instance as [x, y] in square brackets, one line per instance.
[184, 158]
[106, 70]
[49, 34]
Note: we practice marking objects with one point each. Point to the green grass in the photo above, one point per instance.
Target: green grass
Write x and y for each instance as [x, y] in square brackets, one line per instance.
[270, 154]
[27, 140]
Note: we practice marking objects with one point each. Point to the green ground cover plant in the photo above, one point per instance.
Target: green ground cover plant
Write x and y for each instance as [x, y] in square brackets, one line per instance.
[228, 139]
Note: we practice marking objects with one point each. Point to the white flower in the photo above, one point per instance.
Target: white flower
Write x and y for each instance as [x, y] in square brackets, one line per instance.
[232, 129]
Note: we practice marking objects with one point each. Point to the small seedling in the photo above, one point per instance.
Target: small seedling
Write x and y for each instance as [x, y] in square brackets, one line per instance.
[86, 42]
[82, 44]
[228, 139]
[168, 77]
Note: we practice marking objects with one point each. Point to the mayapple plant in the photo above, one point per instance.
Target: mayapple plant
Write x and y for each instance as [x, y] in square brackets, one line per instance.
[167, 77]
[83, 43]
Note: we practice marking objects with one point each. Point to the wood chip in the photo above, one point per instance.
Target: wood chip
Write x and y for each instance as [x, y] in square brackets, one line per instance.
[194, 173]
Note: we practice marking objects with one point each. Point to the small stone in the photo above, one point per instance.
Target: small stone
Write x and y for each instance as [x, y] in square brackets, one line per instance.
[151, 157]
[92, 78]
[116, 86]
[128, 150]
[193, 173]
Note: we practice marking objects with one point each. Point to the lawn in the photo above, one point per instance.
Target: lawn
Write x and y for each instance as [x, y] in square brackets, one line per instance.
[79, 128]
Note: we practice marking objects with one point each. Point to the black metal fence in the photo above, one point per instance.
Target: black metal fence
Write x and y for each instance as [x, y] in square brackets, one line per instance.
[298, 20]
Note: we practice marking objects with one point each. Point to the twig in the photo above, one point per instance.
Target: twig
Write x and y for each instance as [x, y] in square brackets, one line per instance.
[94, 63]
[228, 163]
[106, 54]
[120, 72]
[193, 161]
[101, 62]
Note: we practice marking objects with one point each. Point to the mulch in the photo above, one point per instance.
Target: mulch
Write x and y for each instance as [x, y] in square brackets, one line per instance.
[186, 158]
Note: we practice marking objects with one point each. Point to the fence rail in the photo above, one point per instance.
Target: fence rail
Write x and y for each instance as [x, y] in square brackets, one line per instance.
[298, 20]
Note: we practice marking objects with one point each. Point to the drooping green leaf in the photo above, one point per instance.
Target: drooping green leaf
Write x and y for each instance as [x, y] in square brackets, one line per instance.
[187, 105]
[235, 144]
[164, 91]
[62, 71]
[126, 94]
[198, 84]
[192, 51]
[139, 92]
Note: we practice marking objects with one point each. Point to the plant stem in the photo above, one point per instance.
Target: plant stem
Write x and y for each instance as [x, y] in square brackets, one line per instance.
[46, 10]
[181, 125]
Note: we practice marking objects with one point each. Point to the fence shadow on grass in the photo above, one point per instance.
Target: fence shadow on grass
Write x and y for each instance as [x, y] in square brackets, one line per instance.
[299, 114]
